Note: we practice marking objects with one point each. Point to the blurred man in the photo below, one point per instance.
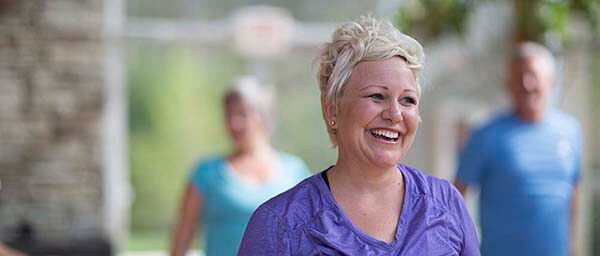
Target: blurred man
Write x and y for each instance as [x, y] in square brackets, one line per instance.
[526, 165]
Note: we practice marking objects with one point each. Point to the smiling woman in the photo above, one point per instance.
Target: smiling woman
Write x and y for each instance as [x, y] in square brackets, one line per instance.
[368, 203]
[377, 116]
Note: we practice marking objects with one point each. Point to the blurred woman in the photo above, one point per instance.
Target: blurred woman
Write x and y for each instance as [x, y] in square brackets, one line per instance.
[223, 191]
[368, 203]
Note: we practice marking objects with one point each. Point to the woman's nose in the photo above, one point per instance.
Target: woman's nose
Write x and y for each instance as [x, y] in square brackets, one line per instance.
[235, 123]
[393, 112]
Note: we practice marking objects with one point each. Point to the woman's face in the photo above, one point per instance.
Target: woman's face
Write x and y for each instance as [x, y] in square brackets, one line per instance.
[377, 116]
[243, 123]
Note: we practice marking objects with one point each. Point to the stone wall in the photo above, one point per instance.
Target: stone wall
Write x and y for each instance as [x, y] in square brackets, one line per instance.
[51, 108]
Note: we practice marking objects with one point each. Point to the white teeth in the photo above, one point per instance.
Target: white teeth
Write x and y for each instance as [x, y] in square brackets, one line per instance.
[389, 134]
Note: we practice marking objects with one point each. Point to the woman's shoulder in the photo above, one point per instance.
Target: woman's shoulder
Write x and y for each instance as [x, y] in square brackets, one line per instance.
[281, 221]
[298, 205]
[207, 167]
[441, 191]
[290, 159]
[210, 161]
[287, 156]
[563, 121]
[294, 165]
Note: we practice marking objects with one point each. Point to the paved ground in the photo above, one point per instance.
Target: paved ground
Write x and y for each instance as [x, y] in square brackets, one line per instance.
[158, 253]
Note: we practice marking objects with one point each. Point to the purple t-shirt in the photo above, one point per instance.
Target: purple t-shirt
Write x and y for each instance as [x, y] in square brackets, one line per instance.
[306, 220]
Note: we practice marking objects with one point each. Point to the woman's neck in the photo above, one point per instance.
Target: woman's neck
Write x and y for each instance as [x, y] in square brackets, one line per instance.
[256, 165]
[364, 178]
[257, 152]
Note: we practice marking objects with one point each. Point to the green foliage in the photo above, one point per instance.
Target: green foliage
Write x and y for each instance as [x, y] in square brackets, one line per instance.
[432, 18]
[539, 18]
[153, 8]
[174, 118]
[534, 20]
[301, 128]
[555, 16]
[153, 240]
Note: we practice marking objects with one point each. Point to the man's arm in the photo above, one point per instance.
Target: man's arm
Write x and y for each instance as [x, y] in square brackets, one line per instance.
[472, 161]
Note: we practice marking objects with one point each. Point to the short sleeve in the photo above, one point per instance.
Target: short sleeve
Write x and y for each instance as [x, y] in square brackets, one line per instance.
[265, 235]
[470, 241]
[201, 175]
[473, 159]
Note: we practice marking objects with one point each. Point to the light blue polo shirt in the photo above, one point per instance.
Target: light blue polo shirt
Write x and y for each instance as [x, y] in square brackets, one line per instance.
[229, 201]
[526, 173]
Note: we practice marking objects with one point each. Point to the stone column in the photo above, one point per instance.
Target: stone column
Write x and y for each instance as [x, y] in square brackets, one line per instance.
[53, 96]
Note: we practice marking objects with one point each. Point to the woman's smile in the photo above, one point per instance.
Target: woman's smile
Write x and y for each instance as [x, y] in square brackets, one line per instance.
[385, 135]
[378, 113]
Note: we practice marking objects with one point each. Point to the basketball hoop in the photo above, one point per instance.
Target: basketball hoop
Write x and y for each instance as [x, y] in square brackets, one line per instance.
[262, 31]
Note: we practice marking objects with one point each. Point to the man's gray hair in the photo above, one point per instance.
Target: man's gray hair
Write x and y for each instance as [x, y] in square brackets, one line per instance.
[533, 50]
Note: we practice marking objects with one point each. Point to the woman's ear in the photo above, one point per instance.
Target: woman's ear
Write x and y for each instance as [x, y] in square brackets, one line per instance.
[329, 110]
[329, 115]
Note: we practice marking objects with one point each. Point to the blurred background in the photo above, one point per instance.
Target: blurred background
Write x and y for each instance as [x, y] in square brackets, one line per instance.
[106, 105]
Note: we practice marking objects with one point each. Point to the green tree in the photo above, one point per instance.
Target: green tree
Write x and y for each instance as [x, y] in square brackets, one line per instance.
[534, 19]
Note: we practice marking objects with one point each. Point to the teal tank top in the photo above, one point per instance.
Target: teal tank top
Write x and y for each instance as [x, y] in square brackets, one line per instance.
[229, 201]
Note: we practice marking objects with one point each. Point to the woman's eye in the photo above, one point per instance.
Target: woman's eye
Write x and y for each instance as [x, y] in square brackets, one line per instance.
[408, 101]
[376, 96]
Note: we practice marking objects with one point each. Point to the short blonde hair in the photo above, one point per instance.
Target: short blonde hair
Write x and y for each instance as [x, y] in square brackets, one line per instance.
[365, 39]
